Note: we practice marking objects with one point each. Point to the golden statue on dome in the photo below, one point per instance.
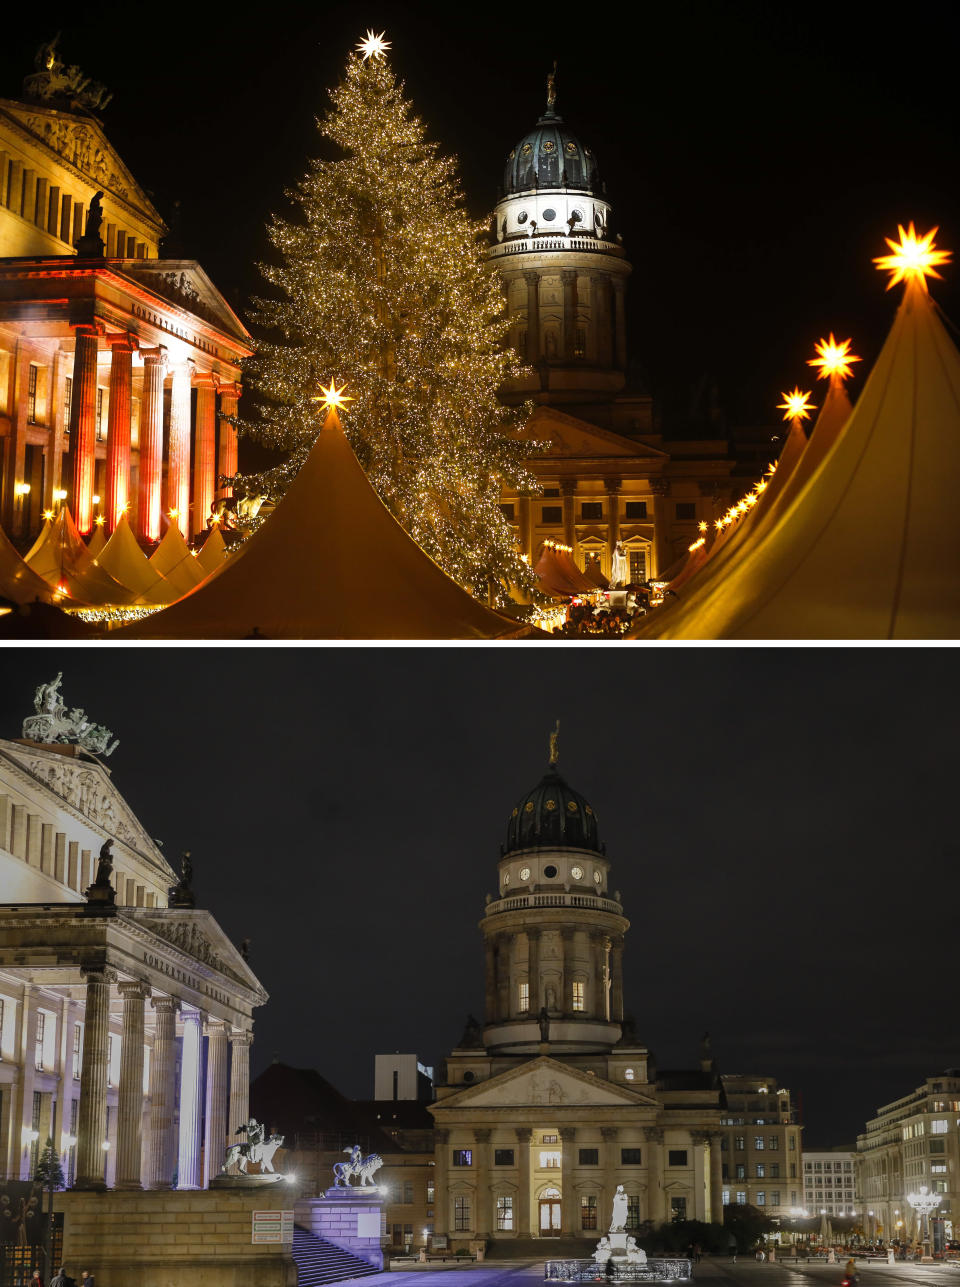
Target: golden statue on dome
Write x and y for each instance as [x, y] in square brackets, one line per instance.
[555, 745]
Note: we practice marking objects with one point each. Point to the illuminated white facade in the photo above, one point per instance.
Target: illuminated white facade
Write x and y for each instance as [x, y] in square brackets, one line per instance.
[829, 1183]
[114, 1018]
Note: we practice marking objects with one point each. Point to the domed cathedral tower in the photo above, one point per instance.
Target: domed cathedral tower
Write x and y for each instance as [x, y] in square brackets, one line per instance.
[551, 1103]
[564, 271]
[553, 937]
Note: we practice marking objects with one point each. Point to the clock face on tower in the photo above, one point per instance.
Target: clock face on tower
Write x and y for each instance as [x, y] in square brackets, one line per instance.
[524, 873]
[576, 873]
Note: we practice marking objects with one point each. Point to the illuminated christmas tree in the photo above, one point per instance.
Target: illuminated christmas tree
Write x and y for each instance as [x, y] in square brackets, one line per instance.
[381, 285]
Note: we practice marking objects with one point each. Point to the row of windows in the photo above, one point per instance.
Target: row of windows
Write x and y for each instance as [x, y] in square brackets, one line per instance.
[586, 1156]
[578, 997]
[592, 511]
[588, 1212]
[759, 1198]
[762, 1171]
[760, 1143]
[825, 1166]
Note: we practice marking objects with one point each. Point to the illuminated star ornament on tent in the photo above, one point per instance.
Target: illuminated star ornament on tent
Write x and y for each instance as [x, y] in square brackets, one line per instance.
[833, 359]
[332, 397]
[373, 46]
[913, 259]
[796, 405]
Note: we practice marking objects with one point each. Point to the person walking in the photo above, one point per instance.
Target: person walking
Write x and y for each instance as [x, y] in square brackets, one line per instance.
[86, 1278]
[36, 1280]
[733, 1249]
[850, 1272]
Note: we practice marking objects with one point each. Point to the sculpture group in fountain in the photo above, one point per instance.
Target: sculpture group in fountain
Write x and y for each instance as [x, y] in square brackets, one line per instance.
[54, 723]
[256, 1148]
[364, 1167]
[618, 1245]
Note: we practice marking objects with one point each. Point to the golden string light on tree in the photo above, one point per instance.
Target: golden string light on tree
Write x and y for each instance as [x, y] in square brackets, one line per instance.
[796, 405]
[380, 277]
[833, 358]
[913, 259]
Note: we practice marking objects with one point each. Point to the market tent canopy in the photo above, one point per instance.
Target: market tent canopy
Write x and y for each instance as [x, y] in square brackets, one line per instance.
[173, 560]
[213, 552]
[124, 560]
[331, 562]
[594, 574]
[866, 548]
[554, 578]
[19, 583]
[59, 551]
[97, 541]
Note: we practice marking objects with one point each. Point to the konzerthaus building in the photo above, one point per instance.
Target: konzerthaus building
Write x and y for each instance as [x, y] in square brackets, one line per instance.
[126, 1014]
[116, 365]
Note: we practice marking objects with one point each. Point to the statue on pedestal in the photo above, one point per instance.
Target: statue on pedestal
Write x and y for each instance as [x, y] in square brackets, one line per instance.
[255, 1149]
[364, 1167]
[102, 891]
[618, 1220]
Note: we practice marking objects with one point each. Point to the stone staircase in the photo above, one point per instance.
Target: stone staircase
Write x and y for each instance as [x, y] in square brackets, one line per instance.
[319, 1261]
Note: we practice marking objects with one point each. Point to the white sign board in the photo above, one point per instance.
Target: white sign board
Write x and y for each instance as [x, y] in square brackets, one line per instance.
[272, 1226]
[368, 1224]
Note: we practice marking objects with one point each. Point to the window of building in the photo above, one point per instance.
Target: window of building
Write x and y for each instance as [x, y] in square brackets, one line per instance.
[503, 1157]
[77, 1050]
[589, 1157]
[741, 1197]
[792, 1143]
[773, 1142]
[38, 1044]
[461, 1214]
[580, 342]
[637, 560]
[741, 1171]
[938, 1127]
[724, 1171]
[35, 1128]
[818, 1166]
[677, 1157]
[633, 1213]
[724, 1143]
[761, 1171]
[758, 1143]
[678, 1208]
[938, 1168]
[407, 1198]
[99, 420]
[774, 1170]
[551, 491]
[686, 509]
[761, 1198]
[523, 998]
[463, 1157]
[551, 514]
[507, 510]
[591, 511]
[549, 1160]
[32, 394]
[635, 509]
[588, 1211]
[937, 1146]
[847, 1166]
[793, 1170]
[838, 1166]
[939, 1186]
[629, 1074]
[67, 401]
[775, 1198]
[726, 1197]
[550, 1139]
[738, 1143]
[431, 1190]
[579, 1000]
[504, 1213]
[631, 1157]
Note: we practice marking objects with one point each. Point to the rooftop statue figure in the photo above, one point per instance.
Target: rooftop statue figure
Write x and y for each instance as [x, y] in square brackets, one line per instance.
[53, 723]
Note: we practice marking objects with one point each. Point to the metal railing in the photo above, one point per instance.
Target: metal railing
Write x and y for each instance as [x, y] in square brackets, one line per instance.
[649, 1271]
[516, 902]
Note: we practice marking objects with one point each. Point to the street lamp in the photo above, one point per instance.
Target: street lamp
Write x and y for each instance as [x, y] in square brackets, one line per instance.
[923, 1203]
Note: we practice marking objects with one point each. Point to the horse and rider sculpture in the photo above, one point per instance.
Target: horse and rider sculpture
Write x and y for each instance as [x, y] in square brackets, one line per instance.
[254, 1149]
[365, 1167]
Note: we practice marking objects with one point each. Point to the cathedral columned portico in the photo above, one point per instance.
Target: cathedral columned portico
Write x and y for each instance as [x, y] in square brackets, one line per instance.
[552, 1102]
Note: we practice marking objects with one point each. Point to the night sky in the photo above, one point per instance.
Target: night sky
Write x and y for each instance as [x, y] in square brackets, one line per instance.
[782, 826]
[756, 154]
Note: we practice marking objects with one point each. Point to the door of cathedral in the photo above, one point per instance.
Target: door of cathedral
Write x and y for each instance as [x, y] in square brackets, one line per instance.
[550, 1214]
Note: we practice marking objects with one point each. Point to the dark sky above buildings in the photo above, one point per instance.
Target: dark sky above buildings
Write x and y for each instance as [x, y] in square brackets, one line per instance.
[756, 154]
[781, 824]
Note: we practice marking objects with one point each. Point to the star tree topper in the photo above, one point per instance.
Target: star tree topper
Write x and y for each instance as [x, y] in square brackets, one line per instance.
[373, 46]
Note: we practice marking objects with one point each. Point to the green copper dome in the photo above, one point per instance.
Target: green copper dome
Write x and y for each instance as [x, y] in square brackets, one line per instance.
[550, 156]
[552, 816]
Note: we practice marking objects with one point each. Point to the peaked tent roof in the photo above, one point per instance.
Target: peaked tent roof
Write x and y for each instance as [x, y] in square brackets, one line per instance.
[175, 563]
[554, 578]
[213, 552]
[331, 562]
[60, 552]
[19, 583]
[579, 579]
[97, 541]
[124, 560]
[866, 548]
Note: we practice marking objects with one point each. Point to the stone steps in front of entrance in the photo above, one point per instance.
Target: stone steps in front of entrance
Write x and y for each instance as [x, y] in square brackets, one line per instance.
[319, 1261]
